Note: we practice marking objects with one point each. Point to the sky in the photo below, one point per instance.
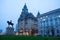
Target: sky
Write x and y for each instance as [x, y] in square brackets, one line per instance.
[11, 9]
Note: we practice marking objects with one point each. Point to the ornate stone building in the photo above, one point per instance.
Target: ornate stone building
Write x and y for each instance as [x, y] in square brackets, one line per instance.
[49, 23]
[27, 23]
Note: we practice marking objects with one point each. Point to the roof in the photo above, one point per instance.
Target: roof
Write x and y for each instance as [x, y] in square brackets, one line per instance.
[51, 12]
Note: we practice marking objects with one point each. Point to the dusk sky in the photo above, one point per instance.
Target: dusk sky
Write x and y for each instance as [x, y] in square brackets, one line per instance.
[11, 9]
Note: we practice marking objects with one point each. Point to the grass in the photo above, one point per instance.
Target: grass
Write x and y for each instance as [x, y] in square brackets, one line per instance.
[27, 38]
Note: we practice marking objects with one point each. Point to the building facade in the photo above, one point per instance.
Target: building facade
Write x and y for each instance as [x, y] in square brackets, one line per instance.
[49, 23]
[27, 23]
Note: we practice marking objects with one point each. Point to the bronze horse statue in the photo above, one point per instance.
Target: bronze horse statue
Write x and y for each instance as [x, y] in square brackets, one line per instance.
[10, 22]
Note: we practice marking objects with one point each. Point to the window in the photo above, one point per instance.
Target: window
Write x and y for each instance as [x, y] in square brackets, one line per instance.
[41, 18]
[56, 21]
[41, 31]
[51, 19]
[44, 19]
[51, 23]
[58, 15]
[57, 31]
[46, 16]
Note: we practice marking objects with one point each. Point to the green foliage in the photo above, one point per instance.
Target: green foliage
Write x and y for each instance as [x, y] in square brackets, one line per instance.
[27, 38]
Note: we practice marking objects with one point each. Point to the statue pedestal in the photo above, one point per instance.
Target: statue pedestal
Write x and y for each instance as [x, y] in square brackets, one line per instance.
[9, 31]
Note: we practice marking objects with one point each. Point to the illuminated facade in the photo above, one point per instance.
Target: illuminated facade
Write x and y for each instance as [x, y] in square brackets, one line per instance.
[49, 23]
[27, 23]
